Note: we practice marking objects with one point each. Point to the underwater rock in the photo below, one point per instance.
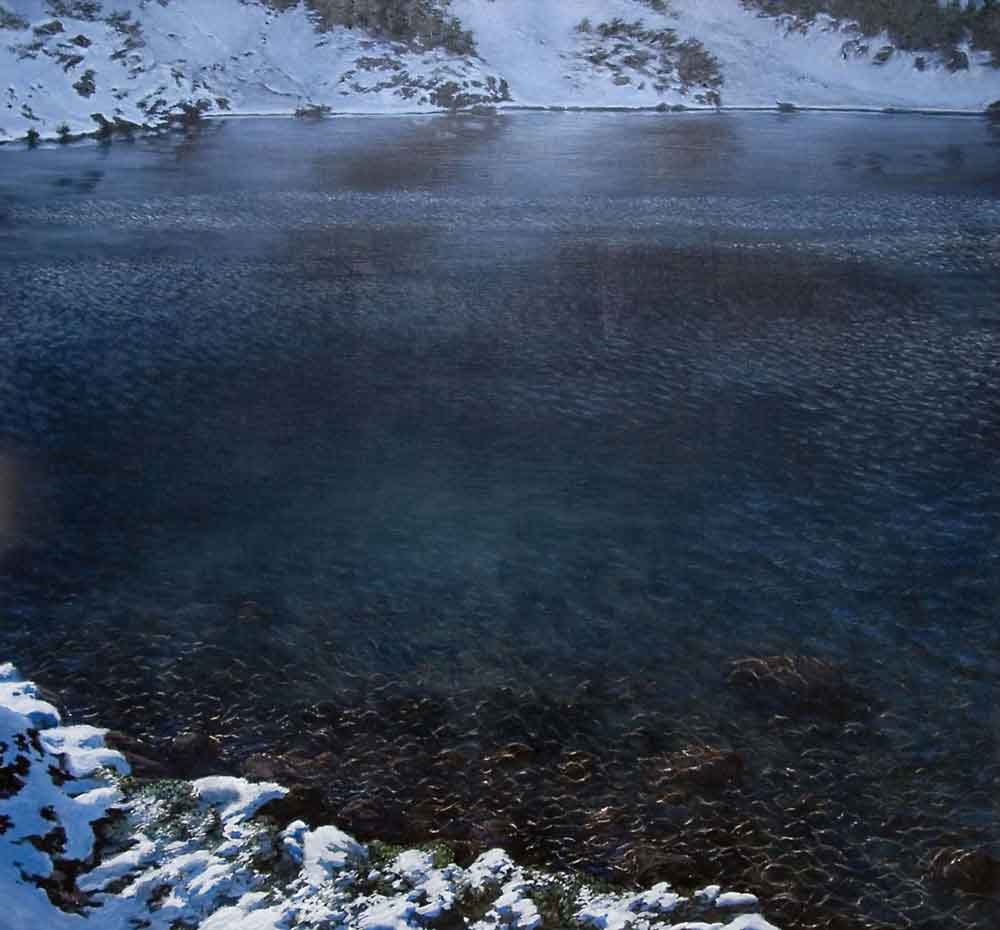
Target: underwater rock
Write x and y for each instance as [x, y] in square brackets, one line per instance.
[370, 817]
[137, 753]
[971, 870]
[193, 751]
[300, 803]
[705, 767]
[796, 684]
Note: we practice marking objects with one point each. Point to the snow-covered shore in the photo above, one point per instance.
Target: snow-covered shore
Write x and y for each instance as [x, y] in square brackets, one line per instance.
[145, 63]
[83, 844]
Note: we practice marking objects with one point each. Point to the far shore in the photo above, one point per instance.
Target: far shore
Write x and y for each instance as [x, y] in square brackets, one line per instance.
[102, 134]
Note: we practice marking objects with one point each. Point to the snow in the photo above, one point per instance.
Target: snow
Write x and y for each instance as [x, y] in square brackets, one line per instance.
[238, 57]
[41, 804]
[618, 911]
[22, 698]
[532, 43]
[327, 850]
[535, 44]
[766, 62]
[235, 798]
[192, 854]
[736, 900]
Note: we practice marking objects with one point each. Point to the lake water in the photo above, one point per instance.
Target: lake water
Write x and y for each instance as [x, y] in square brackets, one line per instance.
[543, 418]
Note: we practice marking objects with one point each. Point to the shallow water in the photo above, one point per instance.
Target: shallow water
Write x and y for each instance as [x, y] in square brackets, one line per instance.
[519, 401]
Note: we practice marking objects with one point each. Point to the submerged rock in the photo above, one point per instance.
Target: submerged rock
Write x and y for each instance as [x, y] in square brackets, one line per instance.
[705, 767]
[973, 870]
[193, 751]
[300, 803]
[796, 684]
[138, 754]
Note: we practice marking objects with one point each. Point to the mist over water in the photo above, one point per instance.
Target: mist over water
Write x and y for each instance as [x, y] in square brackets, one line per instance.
[514, 401]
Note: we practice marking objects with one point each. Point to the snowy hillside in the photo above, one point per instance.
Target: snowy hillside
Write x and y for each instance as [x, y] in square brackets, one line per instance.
[77, 65]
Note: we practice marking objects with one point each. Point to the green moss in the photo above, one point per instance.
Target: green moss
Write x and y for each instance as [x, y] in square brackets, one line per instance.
[382, 854]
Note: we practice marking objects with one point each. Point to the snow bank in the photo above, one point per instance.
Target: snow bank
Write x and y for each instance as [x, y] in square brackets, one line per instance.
[537, 45]
[44, 813]
[223, 56]
[193, 854]
[828, 65]
[153, 62]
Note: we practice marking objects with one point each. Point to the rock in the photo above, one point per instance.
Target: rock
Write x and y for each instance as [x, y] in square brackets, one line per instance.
[301, 803]
[137, 753]
[796, 684]
[313, 111]
[993, 110]
[493, 832]
[51, 28]
[369, 817]
[193, 751]
[971, 870]
[854, 48]
[957, 61]
[262, 767]
[705, 767]
[883, 55]
[250, 613]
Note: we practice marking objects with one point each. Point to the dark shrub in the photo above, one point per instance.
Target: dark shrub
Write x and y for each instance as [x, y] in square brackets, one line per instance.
[9, 20]
[912, 24]
[406, 20]
[85, 87]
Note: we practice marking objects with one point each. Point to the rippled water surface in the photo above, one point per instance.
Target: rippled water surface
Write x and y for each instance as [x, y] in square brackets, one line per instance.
[502, 411]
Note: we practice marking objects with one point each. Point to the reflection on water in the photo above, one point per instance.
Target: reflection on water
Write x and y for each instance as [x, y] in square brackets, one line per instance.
[518, 440]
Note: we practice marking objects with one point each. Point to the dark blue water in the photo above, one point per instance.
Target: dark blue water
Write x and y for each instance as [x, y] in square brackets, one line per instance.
[505, 401]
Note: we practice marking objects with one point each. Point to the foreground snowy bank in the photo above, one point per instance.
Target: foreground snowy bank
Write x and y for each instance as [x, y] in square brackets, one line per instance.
[82, 844]
[68, 68]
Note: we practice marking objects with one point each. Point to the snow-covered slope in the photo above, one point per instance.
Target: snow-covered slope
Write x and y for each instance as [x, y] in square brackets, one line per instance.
[200, 854]
[537, 46]
[77, 65]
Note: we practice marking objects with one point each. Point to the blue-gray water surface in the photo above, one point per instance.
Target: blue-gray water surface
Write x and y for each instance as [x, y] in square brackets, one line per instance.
[468, 404]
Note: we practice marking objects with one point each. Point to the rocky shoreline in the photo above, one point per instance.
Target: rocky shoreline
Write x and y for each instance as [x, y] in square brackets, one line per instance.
[107, 133]
[798, 811]
[84, 842]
